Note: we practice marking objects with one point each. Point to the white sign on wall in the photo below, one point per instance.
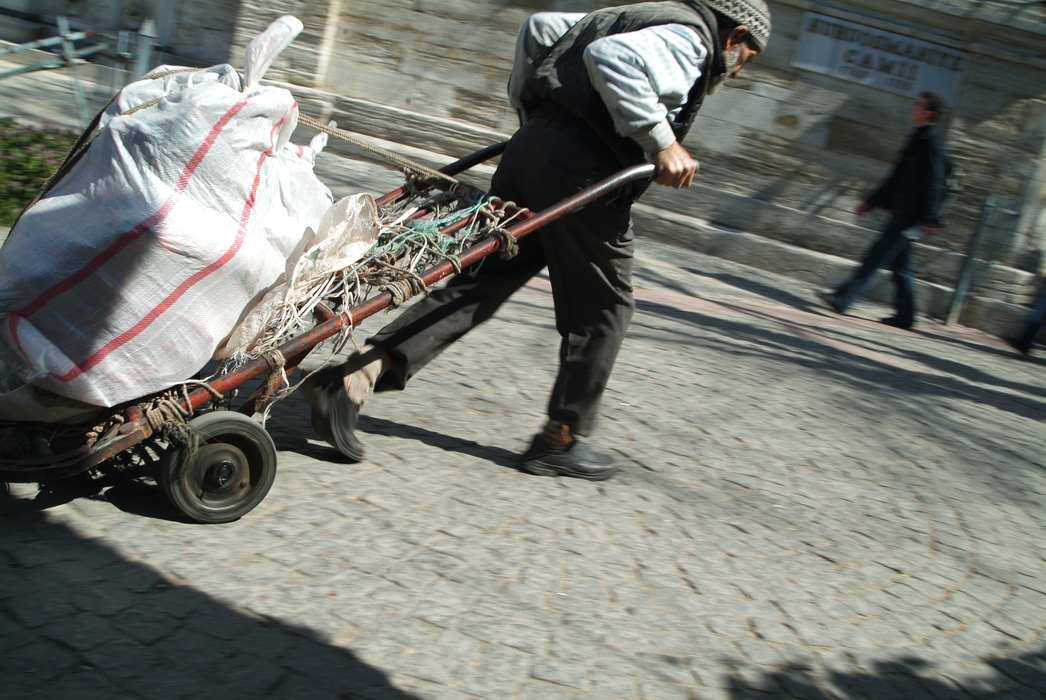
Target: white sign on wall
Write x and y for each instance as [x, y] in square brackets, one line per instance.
[878, 58]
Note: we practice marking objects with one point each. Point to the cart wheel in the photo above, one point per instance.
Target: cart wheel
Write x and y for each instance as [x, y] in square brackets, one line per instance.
[229, 474]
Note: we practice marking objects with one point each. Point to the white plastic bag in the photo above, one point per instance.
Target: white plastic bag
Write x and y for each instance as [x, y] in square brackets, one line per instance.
[347, 231]
[182, 213]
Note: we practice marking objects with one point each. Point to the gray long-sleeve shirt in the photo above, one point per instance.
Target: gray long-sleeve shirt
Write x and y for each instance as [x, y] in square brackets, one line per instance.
[644, 77]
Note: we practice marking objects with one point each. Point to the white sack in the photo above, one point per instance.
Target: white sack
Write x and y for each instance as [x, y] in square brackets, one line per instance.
[140, 262]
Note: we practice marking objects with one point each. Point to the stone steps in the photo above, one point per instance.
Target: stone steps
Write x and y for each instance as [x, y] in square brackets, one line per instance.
[821, 269]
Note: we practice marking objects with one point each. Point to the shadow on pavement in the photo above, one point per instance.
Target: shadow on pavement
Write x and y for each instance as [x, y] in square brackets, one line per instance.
[1007, 352]
[1022, 676]
[123, 490]
[851, 366]
[969, 373]
[803, 303]
[144, 500]
[291, 428]
[495, 455]
[77, 620]
[765, 290]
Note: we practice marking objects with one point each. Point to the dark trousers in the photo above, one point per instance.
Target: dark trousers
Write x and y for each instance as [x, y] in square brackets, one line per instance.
[893, 250]
[1034, 323]
[589, 260]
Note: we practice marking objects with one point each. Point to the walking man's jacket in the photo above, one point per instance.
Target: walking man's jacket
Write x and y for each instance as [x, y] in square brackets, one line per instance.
[916, 187]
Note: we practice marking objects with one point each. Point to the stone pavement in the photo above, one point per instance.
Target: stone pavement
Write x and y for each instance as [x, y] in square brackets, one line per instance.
[810, 507]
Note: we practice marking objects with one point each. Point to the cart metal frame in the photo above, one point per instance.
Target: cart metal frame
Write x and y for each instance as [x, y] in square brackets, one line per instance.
[135, 429]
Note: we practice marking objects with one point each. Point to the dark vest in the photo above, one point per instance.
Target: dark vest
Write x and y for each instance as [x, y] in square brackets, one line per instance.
[562, 79]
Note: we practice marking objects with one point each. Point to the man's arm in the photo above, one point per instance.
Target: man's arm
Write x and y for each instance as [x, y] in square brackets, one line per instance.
[644, 78]
[881, 196]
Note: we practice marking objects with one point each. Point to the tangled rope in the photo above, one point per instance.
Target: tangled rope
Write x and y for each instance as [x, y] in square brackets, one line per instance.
[497, 217]
[165, 413]
[169, 419]
[403, 290]
[277, 374]
[412, 237]
[168, 415]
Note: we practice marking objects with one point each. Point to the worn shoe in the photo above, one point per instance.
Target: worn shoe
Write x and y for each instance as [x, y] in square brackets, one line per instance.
[1017, 344]
[576, 460]
[831, 299]
[896, 323]
[335, 416]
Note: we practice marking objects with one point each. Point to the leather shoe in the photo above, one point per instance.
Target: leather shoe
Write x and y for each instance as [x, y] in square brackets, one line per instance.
[575, 461]
[896, 323]
[335, 416]
[831, 299]
[1017, 344]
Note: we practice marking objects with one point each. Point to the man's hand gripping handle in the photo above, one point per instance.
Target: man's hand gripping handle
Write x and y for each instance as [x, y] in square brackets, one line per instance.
[673, 166]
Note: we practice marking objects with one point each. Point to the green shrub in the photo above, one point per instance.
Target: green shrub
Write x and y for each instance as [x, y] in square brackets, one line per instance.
[28, 156]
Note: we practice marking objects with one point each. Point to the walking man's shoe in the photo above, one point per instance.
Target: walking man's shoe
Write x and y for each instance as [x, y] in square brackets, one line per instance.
[831, 299]
[897, 323]
[554, 452]
[1017, 344]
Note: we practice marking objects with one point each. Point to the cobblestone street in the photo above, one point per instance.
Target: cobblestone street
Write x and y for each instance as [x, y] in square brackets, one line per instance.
[810, 506]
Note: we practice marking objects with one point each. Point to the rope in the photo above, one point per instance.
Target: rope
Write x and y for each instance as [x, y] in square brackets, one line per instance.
[165, 73]
[277, 376]
[496, 220]
[509, 247]
[163, 413]
[166, 417]
[412, 169]
[139, 108]
[218, 396]
[403, 290]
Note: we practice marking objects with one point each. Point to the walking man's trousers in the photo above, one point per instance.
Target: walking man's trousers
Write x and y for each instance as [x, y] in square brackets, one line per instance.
[892, 250]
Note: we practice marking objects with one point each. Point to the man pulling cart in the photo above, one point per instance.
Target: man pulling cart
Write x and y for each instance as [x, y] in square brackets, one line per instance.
[596, 93]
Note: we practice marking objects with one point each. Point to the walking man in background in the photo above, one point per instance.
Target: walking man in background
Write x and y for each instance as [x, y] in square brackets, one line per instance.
[913, 194]
[596, 93]
[1024, 340]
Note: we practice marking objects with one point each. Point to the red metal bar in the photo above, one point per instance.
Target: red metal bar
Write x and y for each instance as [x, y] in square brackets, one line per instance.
[324, 313]
[532, 221]
[458, 166]
[259, 395]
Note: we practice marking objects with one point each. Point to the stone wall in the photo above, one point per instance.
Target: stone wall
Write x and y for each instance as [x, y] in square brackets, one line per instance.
[784, 152]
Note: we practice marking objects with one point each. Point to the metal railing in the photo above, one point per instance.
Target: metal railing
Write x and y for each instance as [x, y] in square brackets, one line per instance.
[117, 53]
[990, 241]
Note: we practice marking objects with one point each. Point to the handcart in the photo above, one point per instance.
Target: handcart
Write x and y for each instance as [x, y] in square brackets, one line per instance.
[231, 463]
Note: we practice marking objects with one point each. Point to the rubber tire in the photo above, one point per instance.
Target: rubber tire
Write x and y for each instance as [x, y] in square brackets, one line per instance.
[225, 437]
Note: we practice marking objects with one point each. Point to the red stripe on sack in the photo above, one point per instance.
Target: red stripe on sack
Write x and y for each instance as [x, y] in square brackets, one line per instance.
[126, 239]
[182, 288]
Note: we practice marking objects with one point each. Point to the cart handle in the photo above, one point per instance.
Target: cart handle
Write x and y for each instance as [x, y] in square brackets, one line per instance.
[458, 166]
[328, 329]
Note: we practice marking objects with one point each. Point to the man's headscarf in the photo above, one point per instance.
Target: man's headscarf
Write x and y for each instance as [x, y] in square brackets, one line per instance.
[754, 14]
